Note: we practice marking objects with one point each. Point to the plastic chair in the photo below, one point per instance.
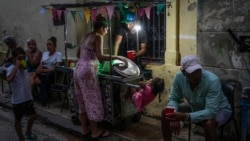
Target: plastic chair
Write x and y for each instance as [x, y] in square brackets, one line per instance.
[228, 91]
[62, 83]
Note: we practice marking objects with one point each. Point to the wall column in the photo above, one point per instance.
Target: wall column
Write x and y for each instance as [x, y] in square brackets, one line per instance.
[172, 55]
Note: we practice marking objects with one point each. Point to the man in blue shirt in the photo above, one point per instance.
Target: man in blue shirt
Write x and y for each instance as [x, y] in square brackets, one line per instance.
[204, 100]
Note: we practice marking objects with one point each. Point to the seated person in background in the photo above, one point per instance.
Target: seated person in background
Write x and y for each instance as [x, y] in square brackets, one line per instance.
[33, 58]
[50, 60]
[34, 55]
[146, 93]
[11, 43]
[205, 101]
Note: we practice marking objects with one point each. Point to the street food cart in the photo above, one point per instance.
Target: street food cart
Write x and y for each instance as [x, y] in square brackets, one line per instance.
[114, 86]
[114, 82]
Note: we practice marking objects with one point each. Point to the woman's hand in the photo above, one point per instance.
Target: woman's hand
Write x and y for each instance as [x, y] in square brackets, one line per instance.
[28, 51]
[124, 60]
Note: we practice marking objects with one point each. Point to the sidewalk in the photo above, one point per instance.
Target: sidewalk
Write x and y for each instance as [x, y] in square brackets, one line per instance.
[147, 129]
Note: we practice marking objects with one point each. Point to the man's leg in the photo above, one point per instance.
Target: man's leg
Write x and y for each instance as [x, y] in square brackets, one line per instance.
[210, 129]
[210, 126]
[165, 124]
[165, 127]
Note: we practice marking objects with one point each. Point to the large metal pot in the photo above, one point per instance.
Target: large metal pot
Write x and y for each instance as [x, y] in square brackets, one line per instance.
[118, 67]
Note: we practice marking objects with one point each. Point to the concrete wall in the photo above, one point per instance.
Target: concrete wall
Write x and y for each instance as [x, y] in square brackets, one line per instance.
[217, 49]
[23, 20]
[181, 41]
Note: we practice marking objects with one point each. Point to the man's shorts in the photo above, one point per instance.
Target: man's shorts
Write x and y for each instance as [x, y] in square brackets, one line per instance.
[221, 118]
[26, 108]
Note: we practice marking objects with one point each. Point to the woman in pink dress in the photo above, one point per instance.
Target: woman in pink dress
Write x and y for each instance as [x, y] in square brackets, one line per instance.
[86, 83]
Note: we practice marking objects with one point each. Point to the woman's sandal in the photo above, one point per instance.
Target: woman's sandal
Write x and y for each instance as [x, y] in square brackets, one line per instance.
[102, 135]
[87, 134]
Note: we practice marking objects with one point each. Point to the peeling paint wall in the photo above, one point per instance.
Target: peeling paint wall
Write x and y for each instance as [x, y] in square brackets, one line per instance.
[216, 47]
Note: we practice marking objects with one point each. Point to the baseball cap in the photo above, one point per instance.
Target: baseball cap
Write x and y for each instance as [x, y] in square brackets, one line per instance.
[190, 63]
[129, 17]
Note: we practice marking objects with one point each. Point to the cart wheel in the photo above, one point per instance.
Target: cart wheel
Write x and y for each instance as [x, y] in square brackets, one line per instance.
[136, 118]
[122, 125]
[75, 120]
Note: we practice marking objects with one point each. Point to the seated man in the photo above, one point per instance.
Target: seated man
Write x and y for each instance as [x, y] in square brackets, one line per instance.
[205, 101]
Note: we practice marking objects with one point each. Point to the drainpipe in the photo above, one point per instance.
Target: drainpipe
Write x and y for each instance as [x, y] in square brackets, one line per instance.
[178, 56]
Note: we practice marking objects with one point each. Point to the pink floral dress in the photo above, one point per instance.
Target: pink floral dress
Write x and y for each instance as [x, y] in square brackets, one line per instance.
[86, 83]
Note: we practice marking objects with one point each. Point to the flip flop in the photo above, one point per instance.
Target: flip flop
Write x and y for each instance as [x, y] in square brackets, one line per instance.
[87, 134]
[101, 135]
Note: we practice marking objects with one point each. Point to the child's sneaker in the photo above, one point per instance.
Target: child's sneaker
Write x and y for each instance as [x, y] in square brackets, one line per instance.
[31, 136]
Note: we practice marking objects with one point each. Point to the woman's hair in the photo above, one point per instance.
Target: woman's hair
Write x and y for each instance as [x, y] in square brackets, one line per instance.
[31, 40]
[10, 40]
[100, 22]
[53, 39]
[157, 86]
[17, 51]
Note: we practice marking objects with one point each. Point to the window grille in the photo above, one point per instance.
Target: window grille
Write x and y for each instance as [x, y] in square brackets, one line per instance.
[156, 32]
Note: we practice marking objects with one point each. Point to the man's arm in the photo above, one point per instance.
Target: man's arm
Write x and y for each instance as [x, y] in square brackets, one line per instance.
[212, 102]
[142, 50]
[143, 43]
[118, 41]
[175, 95]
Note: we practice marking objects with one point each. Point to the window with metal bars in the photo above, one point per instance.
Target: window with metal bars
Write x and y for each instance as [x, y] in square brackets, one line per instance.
[156, 33]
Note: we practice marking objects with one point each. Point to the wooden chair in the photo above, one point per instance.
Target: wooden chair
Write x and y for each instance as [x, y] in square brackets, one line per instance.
[228, 91]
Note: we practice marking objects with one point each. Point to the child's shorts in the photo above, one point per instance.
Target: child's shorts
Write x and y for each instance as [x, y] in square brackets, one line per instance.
[26, 108]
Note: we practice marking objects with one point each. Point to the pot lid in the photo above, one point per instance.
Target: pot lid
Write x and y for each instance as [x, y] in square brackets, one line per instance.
[131, 70]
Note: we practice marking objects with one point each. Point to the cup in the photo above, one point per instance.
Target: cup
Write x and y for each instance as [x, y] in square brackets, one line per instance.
[131, 54]
[72, 64]
[169, 110]
[23, 64]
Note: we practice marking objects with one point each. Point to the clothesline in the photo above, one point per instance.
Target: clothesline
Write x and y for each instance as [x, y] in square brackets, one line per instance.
[98, 4]
[106, 8]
